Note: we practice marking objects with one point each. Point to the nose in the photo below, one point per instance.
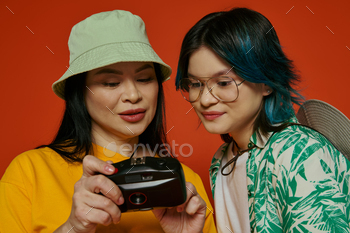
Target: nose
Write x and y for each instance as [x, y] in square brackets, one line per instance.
[207, 99]
[131, 93]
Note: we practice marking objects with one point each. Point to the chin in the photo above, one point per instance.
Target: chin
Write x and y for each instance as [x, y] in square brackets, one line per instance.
[135, 131]
[214, 129]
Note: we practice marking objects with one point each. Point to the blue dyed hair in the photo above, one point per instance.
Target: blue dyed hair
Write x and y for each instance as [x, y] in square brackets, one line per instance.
[246, 40]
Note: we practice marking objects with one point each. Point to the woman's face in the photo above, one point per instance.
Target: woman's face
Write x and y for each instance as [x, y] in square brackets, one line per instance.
[121, 98]
[219, 118]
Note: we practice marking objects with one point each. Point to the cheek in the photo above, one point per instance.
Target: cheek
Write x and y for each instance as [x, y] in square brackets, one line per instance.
[99, 101]
[196, 108]
[251, 94]
[92, 106]
[151, 94]
[149, 100]
[248, 103]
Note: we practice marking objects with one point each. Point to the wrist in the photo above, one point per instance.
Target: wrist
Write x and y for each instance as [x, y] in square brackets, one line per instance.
[65, 228]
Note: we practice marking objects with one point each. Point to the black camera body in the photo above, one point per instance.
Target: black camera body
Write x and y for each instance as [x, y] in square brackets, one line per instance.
[149, 182]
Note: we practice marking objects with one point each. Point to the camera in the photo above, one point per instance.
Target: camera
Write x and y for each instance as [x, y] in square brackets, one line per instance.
[148, 182]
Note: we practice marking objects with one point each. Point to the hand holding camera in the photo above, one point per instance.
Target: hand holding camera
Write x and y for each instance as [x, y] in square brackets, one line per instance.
[162, 176]
[89, 208]
[148, 183]
[186, 218]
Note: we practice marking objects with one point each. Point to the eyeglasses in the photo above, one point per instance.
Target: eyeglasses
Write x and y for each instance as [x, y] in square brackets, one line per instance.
[223, 88]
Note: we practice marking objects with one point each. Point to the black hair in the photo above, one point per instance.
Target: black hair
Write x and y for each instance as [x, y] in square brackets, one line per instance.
[73, 140]
[247, 41]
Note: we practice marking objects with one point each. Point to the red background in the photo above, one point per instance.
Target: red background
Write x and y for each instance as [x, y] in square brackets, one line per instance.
[31, 112]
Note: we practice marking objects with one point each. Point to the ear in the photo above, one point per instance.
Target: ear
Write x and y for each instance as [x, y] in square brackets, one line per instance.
[266, 90]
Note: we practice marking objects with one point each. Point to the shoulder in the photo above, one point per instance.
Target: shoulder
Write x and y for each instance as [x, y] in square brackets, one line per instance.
[189, 173]
[220, 151]
[299, 139]
[30, 161]
[36, 156]
[31, 156]
[298, 145]
[193, 177]
[216, 161]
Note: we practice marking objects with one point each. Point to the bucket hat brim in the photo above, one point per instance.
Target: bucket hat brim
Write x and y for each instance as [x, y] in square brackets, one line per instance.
[109, 54]
[329, 121]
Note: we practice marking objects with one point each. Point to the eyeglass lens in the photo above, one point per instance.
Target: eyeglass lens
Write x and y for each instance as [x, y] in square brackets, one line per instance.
[223, 88]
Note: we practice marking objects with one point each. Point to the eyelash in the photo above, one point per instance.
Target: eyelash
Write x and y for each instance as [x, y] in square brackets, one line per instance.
[110, 84]
[143, 80]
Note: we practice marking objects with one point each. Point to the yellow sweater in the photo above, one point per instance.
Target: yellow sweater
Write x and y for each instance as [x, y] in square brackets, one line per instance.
[37, 188]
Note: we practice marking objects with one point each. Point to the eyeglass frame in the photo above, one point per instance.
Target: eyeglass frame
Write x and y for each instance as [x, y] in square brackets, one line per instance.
[209, 89]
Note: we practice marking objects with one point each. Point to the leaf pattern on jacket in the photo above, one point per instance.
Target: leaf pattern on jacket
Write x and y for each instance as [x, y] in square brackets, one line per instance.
[299, 182]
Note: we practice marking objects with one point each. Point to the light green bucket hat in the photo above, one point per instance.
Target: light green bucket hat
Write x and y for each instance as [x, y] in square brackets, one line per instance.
[107, 38]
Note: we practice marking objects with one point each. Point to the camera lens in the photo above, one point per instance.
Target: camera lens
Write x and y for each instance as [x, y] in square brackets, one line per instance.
[137, 198]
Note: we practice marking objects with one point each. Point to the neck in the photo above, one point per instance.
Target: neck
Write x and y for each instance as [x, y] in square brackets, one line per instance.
[242, 137]
[124, 146]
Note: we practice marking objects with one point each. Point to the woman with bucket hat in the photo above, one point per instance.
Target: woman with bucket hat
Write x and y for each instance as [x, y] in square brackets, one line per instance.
[114, 101]
[271, 174]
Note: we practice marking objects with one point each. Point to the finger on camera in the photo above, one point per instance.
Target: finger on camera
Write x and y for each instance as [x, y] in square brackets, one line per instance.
[102, 185]
[107, 205]
[191, 191]
[194, 204]
[93, 165]
[97, 216]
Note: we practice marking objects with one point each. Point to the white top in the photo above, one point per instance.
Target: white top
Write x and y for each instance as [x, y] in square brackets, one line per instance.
[231, 196]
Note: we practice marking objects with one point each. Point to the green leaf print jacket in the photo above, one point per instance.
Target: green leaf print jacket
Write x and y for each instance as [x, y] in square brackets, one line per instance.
[297, 181]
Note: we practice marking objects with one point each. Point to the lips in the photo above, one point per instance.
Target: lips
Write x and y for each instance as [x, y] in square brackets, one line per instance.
[133, 115]
[211, 115]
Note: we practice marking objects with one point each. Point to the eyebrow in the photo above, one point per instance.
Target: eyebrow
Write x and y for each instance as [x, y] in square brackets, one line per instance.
[144, 67]
[108, 71]
[113, 71]
[219, 73]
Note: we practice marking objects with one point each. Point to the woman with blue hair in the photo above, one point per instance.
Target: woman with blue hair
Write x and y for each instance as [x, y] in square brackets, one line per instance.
[272, 174]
